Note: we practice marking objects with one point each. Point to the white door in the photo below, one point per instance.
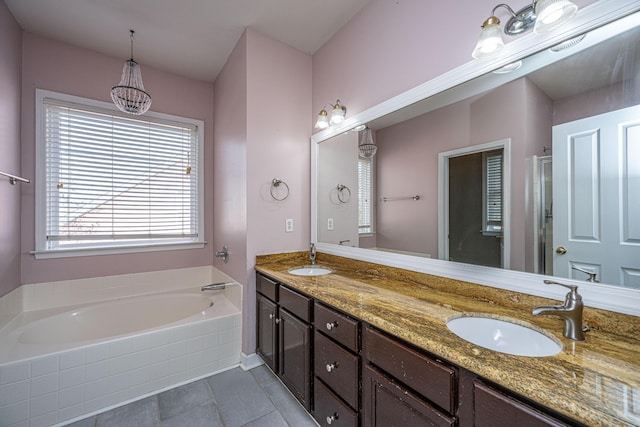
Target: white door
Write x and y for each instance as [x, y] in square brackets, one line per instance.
[596, 197]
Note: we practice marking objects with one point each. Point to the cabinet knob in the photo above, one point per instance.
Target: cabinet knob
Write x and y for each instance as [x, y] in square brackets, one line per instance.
[332, 418]
[273, 316]
[332, 325]
[332, 366]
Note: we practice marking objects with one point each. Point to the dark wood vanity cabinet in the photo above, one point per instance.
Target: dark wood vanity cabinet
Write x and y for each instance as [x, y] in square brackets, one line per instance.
[336, 367]
[361, 376]
[403, 387]
[493, 407]
[284, 335]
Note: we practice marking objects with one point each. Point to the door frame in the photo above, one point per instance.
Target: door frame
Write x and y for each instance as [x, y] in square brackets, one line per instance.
[443, 195]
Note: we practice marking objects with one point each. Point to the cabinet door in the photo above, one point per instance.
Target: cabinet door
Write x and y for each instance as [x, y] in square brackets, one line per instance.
[494, 408]
[295, 357]
[267, 337]
[388, 404]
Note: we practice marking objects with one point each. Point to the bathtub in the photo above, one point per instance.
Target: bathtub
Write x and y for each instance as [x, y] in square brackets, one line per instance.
[62, 364]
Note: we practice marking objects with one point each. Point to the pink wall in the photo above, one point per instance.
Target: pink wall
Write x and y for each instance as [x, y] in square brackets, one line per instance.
[64, 68]
[230, 162]
[266, 87]
[10, 76]
[392, 46]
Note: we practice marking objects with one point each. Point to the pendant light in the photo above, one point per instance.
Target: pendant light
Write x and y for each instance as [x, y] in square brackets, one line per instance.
[129, 96]
[366, 147]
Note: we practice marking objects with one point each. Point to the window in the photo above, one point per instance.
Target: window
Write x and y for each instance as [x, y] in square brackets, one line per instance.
[492, 191]
[365, 195]
[112, 183]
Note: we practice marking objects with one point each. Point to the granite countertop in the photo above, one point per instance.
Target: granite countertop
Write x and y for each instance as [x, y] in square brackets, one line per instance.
[596, 382]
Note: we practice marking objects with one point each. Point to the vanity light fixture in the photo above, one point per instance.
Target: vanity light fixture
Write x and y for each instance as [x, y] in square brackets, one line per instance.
[542, 15]
[338, 113]
[129, 95]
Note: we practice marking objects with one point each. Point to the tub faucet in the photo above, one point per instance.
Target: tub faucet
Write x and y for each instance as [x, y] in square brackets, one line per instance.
[570, 311]
[312, 254]
[214, 286]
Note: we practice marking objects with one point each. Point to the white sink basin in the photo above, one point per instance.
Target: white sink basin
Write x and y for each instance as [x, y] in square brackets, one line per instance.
[310, 271]
[504, 336]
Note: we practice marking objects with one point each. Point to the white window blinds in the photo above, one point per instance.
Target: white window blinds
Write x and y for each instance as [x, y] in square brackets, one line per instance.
[493, 191]
[114, 180]
[365, 195]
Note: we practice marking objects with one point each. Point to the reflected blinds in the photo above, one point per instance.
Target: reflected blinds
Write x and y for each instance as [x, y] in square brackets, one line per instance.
[365, 195]
[113, 179]
[493, 191]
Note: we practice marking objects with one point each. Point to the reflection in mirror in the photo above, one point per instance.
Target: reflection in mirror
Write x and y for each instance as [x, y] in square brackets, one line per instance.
[567, 202]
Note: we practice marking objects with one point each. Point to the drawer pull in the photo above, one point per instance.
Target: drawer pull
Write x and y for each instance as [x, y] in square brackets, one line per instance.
[272, 316]
[332, 418]
[332, 366]
[331, 325]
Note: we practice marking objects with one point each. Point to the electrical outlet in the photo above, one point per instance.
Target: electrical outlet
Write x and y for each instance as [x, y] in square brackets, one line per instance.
[288, 225]
[329, 224]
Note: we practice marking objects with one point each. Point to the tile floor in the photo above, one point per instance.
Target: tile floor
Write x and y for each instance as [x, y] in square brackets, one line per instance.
[234, 398]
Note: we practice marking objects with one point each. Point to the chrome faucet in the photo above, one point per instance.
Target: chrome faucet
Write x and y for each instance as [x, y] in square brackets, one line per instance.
[215, 286]
[570, 311]
[312, 254]
[592, 275]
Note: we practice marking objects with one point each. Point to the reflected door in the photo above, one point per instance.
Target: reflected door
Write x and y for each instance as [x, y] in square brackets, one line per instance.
[471, 237]
[596, 197]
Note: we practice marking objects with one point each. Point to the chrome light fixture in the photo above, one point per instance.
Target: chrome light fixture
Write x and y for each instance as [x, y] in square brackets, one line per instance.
[542, 15]
[366, 147]
[129, 96]
[338, 113]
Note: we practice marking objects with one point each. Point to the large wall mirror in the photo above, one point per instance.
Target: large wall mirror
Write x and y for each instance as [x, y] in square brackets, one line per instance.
[533, 168]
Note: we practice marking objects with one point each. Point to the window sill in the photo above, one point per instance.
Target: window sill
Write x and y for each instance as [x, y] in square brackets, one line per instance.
[114, 250]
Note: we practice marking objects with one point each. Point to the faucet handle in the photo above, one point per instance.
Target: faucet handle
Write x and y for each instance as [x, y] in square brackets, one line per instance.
[574, 288]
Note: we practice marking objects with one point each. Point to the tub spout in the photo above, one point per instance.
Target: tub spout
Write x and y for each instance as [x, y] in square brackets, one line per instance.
[215, 286]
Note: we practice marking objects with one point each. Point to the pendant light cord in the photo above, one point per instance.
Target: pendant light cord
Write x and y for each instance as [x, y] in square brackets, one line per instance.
[132, 32]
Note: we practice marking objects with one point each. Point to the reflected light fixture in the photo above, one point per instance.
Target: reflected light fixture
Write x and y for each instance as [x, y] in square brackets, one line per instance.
[129, 95]
[338, 113]
[542, 15]
[366, 147]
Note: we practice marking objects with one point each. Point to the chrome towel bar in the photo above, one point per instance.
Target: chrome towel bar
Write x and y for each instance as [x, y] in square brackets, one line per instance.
[13, 179]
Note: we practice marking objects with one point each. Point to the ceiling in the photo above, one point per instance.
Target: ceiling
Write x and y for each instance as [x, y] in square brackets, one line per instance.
[192, 38]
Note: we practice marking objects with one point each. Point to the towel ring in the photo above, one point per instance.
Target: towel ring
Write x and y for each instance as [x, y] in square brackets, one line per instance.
[275, 183]
[341, 195]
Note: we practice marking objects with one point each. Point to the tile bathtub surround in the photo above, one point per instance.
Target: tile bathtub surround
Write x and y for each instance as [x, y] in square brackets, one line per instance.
[594, 382]
[55, 388]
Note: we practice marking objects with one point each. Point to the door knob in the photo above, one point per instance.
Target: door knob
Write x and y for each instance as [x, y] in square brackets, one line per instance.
[561, 250]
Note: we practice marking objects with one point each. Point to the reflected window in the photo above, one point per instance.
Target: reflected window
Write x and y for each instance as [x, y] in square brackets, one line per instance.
[365, 195]
[492, 191]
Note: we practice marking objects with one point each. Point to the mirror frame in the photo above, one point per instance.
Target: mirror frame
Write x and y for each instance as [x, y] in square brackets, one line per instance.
[608, 297]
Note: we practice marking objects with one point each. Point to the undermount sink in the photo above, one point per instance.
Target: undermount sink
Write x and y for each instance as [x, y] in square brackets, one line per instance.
[504, 335]
[310, 270]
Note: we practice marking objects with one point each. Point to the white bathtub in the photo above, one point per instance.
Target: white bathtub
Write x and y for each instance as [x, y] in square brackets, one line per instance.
[62, 364]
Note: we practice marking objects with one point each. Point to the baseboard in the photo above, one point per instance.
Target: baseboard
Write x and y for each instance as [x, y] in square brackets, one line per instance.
[250, 361]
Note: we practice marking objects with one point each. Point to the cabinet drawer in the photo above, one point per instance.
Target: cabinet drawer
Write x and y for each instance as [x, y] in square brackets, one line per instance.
[492, 407]
[330, 410]
[338, 368]
[295, 303]
[267, 287]
[336, 325]
[387, 403]
[430, 378]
